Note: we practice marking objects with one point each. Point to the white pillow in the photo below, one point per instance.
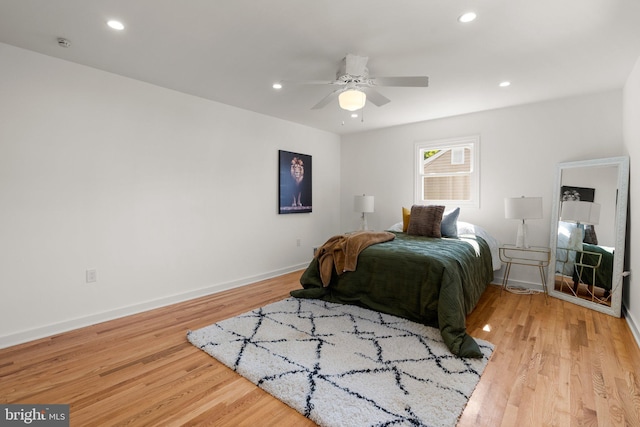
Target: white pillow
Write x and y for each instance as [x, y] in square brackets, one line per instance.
[564, 232]
[396, 227]
[466, 228]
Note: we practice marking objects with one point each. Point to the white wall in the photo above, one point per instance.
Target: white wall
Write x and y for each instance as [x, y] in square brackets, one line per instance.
[166, 195]
[631, 113]
[520, 147]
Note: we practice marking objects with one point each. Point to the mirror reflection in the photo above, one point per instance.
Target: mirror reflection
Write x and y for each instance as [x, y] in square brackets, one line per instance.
[587, 240]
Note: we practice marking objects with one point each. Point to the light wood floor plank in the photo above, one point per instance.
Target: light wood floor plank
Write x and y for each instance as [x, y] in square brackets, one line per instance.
[555, 364]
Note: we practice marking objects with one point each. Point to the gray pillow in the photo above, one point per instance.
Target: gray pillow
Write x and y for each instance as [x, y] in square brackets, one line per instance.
[425, 221]
[590, 235]
[449, 224]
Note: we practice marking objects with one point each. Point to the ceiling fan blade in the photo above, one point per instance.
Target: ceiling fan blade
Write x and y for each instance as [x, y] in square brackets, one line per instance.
[326, 100]
[285, 83]
[375, 97]
[413, 81]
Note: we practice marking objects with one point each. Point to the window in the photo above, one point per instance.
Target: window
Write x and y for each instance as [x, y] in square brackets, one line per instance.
[447, 172]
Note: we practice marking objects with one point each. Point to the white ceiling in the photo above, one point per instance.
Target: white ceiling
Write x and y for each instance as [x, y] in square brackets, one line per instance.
[232, 51]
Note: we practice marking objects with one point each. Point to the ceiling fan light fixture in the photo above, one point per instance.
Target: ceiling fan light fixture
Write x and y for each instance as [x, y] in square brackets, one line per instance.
[352, 99]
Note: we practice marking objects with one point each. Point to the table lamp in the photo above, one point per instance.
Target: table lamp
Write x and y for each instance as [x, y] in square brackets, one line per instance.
[580, 213]
[364, 205]
[522, 208]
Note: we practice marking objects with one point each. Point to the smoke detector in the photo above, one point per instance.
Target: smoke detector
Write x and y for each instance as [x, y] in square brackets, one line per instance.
[62, 42]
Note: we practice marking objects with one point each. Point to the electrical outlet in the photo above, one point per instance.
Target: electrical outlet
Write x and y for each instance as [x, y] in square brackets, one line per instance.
[91, 276]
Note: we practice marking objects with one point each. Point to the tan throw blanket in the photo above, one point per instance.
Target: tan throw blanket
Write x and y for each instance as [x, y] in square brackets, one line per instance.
[342, 251]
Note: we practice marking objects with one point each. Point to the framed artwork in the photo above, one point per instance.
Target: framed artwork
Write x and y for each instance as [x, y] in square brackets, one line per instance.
[577, 193]
[294, 183]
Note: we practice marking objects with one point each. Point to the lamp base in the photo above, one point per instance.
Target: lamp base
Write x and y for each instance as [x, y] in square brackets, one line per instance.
[575, 239]
[363, 226]
[521, 238]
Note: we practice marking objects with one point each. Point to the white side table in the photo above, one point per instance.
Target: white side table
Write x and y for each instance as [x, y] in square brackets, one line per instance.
[534, 256]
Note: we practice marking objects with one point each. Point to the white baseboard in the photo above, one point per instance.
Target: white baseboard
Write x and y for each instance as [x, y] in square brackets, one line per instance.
[633, 325]
[57, 328]
[520, 284]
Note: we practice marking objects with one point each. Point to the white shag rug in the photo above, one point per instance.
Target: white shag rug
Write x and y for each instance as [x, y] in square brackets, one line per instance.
[342, 365]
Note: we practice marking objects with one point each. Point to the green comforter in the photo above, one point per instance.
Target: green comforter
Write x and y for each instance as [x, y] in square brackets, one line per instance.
[604, 272]
[432, 281]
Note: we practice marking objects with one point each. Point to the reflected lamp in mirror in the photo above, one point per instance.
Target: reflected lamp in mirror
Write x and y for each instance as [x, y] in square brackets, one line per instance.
[580, 213]
[364, 205]
[522, 208]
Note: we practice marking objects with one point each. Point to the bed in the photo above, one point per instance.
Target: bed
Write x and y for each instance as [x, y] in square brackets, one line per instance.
[430, 280]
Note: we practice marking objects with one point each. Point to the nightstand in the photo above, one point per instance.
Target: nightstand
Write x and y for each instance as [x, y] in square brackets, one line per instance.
[534, 256]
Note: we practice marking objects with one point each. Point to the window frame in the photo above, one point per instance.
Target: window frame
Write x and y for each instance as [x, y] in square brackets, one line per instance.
[465, 141]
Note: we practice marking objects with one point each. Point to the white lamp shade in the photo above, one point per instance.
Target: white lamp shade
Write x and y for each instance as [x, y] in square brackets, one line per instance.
[352, 99]
[523, 207]
[580, 212]
[363, 203]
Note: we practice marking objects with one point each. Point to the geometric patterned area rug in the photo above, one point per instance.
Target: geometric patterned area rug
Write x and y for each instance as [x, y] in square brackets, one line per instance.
[342, 365]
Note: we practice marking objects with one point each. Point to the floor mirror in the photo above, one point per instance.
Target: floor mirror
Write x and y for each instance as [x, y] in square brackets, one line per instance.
[588, 227]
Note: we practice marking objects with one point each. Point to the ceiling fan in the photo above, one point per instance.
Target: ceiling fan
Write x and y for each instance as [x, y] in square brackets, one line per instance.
[356, 86]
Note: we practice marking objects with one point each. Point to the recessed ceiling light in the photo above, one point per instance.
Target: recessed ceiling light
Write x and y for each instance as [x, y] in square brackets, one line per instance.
[505, 84]
[467, 17]
[354, 115]
[277, 86]
[116, 25]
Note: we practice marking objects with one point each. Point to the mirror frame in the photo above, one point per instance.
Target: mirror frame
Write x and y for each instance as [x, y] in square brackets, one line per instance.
[622, 163]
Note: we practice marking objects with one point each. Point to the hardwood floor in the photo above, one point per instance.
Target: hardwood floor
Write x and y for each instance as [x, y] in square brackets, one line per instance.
[554, 364]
